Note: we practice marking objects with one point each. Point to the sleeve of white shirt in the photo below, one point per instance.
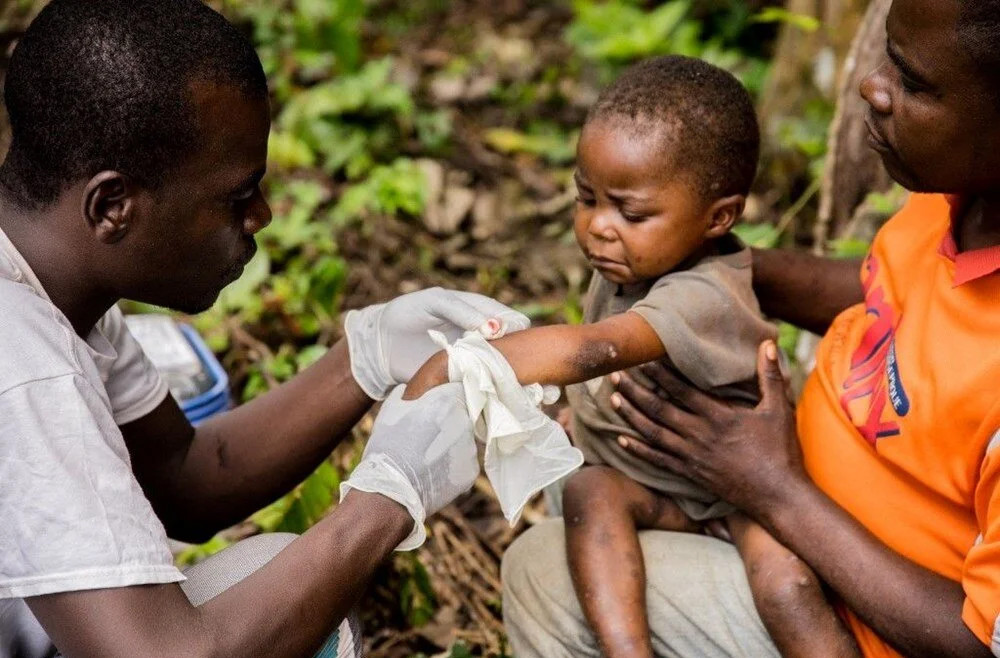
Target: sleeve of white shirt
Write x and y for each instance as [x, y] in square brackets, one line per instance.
[72, 514]
[134, 386]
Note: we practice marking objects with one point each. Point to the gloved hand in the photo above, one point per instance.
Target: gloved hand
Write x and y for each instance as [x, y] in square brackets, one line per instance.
[421, 454]
[389, 342]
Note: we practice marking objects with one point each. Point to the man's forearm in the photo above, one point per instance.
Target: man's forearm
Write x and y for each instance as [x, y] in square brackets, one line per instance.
[285, 609]
[244, 459]
[806, 290]
[914, 609]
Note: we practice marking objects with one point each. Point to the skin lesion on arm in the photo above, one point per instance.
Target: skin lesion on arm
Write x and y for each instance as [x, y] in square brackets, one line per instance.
[561, 354]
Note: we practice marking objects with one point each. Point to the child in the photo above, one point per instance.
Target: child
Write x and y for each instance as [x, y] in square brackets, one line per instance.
[665, 161]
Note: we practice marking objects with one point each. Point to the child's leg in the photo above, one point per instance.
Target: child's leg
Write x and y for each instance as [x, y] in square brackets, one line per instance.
[789, 597]
[603, 509]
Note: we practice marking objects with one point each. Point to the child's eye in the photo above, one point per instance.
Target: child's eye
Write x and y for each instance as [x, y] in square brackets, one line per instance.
[587, 201]
[632, 217]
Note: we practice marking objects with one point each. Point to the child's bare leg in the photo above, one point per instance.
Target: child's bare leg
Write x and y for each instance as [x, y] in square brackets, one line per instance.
[603, 510]
[789, 597]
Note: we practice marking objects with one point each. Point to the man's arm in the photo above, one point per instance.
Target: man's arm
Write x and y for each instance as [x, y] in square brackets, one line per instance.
[285, 609]
[201, 480]
[561, 354]
[750, 457]
[806, 290]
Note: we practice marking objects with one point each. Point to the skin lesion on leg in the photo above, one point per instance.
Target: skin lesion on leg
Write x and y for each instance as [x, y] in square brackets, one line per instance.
[603, 511]
[789, 597]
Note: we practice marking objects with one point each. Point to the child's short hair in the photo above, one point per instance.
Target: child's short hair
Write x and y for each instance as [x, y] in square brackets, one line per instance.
[708, 119]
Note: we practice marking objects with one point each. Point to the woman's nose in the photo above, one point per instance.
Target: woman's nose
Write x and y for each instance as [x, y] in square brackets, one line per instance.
[875, 90]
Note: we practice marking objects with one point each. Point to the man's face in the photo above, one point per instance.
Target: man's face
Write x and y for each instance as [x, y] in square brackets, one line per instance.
[933, 118]
[195, 233]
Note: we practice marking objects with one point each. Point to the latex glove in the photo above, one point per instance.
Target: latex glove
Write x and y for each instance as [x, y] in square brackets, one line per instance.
[389, 342]
[421, 454]
[525, 449]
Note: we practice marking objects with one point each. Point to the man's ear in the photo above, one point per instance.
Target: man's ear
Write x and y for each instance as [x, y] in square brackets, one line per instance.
[723, 214]
[109, 205]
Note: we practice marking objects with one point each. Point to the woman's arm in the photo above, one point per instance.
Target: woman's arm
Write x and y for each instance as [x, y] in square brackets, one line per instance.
[806, 290]
[561, 354]
[751, 457]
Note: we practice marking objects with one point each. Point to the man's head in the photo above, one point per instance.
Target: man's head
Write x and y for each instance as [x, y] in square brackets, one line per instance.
[934, 114]
[665, 161]
[149, 120]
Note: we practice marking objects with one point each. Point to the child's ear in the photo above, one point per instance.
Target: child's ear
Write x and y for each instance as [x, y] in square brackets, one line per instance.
[723, 214]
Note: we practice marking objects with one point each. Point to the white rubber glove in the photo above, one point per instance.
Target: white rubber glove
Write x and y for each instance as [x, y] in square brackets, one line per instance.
[389, 342]
[421, 454]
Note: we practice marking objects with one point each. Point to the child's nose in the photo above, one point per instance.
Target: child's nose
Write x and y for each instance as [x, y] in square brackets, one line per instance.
[875, 90]
[602, 225]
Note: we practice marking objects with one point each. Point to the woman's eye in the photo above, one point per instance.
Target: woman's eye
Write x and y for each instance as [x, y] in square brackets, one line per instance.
[585, 200]
[909, 85]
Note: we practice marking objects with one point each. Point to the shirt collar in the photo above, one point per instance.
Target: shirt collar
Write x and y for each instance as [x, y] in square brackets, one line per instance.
[969, 265]
[15, 268]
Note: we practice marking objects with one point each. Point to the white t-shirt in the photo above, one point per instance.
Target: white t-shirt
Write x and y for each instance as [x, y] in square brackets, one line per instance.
[72, 514]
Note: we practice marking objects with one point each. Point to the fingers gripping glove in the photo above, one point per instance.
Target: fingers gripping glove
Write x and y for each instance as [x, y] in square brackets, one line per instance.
[421, 454]
[525, 449]
[389, 342]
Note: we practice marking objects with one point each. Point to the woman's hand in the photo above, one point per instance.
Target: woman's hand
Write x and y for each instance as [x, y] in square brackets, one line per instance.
[747, 456]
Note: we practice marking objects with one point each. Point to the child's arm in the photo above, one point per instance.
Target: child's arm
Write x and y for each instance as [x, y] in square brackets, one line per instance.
[561, 354]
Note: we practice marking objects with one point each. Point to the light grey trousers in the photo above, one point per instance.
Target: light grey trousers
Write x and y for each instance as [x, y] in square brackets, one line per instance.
[697, 596]
[205, 580]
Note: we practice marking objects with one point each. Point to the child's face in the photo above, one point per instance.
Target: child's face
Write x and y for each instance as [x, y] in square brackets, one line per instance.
[931, 115]
[635, 219]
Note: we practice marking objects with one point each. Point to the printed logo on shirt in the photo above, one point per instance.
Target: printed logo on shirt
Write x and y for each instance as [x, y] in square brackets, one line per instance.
[874, 377]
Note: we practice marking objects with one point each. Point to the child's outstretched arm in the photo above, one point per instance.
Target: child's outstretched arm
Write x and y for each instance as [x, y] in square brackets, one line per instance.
[561, 354]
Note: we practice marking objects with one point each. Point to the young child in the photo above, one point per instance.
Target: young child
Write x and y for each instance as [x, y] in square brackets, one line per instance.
[665, 161]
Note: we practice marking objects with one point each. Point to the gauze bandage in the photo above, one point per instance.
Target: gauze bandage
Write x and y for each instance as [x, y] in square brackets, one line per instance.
[525, 449]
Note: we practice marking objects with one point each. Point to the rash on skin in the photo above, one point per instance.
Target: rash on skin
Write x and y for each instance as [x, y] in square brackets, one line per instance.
[593, 358]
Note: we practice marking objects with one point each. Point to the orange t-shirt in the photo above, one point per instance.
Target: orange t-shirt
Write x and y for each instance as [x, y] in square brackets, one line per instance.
[900, 421]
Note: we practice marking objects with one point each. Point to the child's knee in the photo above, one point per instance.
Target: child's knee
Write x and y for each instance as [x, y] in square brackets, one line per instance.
[591, 490]
[781, 582]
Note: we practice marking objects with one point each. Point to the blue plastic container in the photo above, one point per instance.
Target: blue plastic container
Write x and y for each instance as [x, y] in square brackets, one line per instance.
[216, 399]
[195, 377]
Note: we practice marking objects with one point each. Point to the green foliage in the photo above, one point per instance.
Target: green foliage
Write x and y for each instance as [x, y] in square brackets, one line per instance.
[781, 15]
[762, 236]
[313, 37]
[543, 139]
[195, 554]
[346, 124]
[304, 506]
[417, 600]
[389, 189]
[618, 32]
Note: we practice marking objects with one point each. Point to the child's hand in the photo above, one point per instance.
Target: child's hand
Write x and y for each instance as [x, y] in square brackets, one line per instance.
[433, 373]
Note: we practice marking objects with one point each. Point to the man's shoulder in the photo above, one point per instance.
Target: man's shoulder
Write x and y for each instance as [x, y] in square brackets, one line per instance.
[35, 343]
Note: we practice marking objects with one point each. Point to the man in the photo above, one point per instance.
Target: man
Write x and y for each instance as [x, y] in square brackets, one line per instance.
[888, 486]
[139, 140]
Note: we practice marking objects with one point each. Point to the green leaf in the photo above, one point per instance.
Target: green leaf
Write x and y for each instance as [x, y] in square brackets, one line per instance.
[762, 236]
[781, 15]
[244, 292]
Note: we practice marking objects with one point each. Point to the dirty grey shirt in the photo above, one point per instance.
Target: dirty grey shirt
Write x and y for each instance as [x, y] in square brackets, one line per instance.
[710, 324]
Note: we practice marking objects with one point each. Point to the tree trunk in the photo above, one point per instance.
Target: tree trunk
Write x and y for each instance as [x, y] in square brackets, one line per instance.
[853, 169]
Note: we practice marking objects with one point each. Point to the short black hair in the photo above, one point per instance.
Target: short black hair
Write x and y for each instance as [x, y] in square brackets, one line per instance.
[706, 118]
[979, 37]
[98, 85]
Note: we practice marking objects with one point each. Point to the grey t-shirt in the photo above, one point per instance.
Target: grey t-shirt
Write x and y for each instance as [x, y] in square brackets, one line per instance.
[710, 324]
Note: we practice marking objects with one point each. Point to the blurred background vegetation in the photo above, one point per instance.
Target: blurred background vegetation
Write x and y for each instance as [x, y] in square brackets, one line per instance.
[428, 142]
